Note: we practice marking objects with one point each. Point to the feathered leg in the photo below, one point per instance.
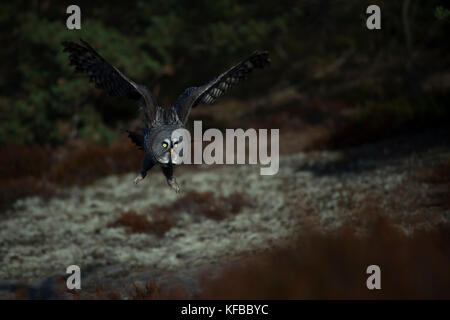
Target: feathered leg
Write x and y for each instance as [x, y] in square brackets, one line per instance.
[168, 173]
[147, 164]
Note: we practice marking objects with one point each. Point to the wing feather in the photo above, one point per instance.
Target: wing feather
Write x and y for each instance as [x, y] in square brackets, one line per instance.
[107, 77]
[216, 88]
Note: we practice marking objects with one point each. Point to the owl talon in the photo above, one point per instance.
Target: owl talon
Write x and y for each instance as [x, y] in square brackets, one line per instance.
[173, 184]
[138, 179]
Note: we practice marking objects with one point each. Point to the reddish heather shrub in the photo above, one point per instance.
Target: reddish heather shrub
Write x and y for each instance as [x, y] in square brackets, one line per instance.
[206, 204]
[100, 292]
[11, 190]
[154, 292]
[24, 161]
[90, 162]
[137, 223]
[438, 178]
[38, 170]
[333, 266]
[149, 292]
[164, 217]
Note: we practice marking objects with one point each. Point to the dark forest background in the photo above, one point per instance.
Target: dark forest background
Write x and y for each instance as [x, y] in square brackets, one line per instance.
[318, 48]
[332, 82]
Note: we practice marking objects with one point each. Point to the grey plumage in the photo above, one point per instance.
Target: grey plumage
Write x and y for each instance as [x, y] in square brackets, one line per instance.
[155, 140]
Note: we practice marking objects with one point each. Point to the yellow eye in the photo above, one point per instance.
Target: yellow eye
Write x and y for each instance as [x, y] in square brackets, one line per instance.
[164, 145]
[175, 144]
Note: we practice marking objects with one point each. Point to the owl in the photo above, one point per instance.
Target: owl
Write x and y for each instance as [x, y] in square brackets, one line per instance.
[159, 123]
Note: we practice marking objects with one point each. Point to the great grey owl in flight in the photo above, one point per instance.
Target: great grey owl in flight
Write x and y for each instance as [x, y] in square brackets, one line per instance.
[156, 139]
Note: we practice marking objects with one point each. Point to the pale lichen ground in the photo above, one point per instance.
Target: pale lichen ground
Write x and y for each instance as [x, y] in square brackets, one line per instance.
[39, 239]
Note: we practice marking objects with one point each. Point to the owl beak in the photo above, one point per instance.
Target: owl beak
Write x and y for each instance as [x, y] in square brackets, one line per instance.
[171, 150]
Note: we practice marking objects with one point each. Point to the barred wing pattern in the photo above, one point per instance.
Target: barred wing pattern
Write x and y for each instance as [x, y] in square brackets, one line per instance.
[209, 92]
[107, 77]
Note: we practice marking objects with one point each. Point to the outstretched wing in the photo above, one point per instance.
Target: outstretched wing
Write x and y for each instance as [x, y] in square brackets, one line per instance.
[107, 77]
[209, 92]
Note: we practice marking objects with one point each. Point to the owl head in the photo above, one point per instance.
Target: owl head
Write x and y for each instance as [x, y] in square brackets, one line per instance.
[164, 146]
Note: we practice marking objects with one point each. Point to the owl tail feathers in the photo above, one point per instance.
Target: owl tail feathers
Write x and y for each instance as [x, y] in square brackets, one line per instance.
[137, 138]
